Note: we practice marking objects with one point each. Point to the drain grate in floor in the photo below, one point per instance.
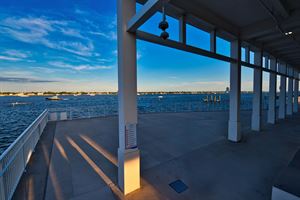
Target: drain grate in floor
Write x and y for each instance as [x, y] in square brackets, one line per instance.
[178, 186]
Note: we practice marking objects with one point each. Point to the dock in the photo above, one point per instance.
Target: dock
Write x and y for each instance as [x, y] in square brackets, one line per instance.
[77, 159]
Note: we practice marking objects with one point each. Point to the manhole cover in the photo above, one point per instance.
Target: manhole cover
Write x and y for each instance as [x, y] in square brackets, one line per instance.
[178, 186]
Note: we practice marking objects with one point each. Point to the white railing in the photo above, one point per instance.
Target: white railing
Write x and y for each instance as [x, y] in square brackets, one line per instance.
[70, 113]
[14, 159]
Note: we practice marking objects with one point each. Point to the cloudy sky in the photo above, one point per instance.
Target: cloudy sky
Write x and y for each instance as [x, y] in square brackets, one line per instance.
[71, 45]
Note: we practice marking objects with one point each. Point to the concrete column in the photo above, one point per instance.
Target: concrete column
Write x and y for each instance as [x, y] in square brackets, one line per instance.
[247, 54]
[282, 95]
[289, 109]
[234, 126]
[272, 93]
[296, 92]
[257, 93]
[128, 153]
[182, 29]
[213, 41]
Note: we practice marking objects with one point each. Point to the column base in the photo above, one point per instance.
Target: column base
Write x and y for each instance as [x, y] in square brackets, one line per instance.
[271, 120]
[234, 131]
[129, 170]
[281, 116]
[256, 123]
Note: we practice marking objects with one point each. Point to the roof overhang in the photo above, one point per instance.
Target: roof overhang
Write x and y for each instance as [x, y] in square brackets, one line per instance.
[260, 24]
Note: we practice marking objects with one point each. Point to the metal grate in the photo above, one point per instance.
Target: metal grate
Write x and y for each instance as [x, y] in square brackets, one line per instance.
[178, 186]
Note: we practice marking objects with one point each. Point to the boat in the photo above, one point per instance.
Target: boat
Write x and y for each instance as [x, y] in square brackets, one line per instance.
[53, 98]
[160, 97]
[19, 103]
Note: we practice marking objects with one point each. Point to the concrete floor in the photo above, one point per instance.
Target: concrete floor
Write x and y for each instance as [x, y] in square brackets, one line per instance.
[191, 147]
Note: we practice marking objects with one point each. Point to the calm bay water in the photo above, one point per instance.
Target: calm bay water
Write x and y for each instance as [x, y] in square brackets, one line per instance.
[14, 119]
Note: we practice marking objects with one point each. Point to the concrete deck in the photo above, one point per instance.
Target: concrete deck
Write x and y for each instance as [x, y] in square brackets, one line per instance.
[187, 146]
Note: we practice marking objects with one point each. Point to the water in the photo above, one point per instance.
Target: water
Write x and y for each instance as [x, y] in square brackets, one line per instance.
[14, 119]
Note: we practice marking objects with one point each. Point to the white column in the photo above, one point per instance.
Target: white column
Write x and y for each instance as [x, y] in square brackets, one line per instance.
[289, 109]
[257, 93]
[272, 93]
[234, 126]
[128, 153]
[282, 95]
[296, 92]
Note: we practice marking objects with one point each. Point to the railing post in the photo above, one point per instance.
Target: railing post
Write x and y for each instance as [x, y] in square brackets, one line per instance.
[2, 191]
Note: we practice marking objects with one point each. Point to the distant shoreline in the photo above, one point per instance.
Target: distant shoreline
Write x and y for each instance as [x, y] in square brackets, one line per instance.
[108, 93]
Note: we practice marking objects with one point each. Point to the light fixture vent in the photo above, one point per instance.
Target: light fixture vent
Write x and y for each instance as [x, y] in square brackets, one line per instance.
[288, 33]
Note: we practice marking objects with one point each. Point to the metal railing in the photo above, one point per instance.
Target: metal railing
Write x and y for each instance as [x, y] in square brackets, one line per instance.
[70, 113]
[15, 158]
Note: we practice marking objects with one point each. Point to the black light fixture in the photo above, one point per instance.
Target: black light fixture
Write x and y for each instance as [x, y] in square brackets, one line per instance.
[163, 25]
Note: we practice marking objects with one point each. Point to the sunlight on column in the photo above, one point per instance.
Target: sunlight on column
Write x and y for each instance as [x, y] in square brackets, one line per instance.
[101, 150]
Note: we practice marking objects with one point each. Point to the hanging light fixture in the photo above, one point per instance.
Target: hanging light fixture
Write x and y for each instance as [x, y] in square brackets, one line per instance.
[164, 25]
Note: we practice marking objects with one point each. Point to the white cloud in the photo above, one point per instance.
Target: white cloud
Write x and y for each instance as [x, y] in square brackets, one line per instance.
[14, 55]
[9, 58]
[37, 31]
[78, 67]
[110, 35]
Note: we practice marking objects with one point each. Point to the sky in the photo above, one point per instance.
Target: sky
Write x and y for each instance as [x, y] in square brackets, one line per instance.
[71, 45]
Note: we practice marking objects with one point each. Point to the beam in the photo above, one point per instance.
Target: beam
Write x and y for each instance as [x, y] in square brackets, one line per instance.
[281, 8]
[208, 16]
[187, 48]
[177, 45]
[268, 26]
[145, 13]
[279, 43]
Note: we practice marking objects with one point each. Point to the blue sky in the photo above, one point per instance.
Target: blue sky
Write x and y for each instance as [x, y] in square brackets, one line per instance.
[71, 45]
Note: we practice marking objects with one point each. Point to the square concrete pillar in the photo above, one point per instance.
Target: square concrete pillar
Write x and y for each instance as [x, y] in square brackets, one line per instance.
[272, 93]
[282, 95]
[289, 109]
[128, 153]
[234, 126]
[296, 94]
[257, 93]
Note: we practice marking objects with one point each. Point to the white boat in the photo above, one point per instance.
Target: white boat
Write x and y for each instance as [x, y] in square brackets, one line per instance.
[19, 103]
[160, 97]
[54, 98]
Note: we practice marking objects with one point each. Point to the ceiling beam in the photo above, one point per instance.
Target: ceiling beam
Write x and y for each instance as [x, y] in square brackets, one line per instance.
[281, 8]
[268, 26]
[146, 12]
[206, 15]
